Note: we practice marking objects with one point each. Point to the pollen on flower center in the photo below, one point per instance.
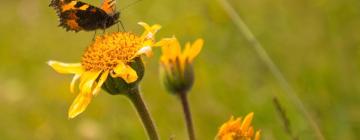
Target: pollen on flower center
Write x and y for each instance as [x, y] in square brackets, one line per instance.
[107, 51]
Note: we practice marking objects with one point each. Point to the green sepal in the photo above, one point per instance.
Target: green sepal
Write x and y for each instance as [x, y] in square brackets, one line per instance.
[175, 80]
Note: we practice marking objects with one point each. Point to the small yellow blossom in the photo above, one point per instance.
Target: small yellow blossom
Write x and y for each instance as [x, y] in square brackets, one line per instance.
[236, 129]
[176, 66]
[109, 56]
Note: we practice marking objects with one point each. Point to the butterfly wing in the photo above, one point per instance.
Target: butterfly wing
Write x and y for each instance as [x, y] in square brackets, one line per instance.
[109, 6]
[76, 15]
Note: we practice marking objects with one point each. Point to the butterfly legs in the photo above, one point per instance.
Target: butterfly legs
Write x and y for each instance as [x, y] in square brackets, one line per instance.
[122, 26]
[94, 35]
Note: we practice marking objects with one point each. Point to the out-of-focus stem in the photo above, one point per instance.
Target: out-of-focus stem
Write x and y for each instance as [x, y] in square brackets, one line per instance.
[244, 29]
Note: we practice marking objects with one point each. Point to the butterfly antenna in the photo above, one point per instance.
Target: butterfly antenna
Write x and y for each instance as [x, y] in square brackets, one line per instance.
[129, 5]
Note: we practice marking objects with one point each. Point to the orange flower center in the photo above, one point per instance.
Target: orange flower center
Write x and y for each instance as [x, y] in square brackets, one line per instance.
[108, 50]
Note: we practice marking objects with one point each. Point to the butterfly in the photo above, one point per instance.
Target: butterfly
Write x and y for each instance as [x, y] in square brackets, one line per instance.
[76, 16]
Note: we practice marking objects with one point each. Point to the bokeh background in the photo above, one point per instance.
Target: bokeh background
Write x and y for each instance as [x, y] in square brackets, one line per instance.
[315, 44]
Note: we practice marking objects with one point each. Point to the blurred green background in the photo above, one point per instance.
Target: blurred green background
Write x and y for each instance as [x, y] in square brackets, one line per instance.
[315, 43]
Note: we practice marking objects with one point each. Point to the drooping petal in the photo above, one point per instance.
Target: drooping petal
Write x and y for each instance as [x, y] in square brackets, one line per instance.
[66, 68]
[87, 77]
[127, 73]
[73, 81]
[195, 49]
[85, 95]
[79, 104]
[101, 81]
[87, 84]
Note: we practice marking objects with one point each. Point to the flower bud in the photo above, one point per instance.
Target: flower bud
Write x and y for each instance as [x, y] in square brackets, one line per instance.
[176, 68]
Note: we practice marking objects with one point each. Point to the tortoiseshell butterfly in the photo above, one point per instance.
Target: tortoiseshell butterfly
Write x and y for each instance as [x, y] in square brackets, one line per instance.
[77, 16]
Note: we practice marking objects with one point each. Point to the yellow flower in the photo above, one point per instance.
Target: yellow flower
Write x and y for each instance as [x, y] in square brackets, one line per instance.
[176, 66]
[236, 129]
[109, 56]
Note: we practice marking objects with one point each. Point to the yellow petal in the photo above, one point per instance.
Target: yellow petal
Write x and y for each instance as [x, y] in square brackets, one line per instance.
[88, 83]
[87, 77]
[73, 81]
[186, 51]
[175, 48]
[195, 49]
[170, 48]
[184, 56]
[257, 135]
[150, 31]
[66, 68]
[79, 104]
[125, 72]
[85, 95]
[229, 136]
[247, 121]
[145, 25]
[101, 81]
[250, 131]
[147, 50]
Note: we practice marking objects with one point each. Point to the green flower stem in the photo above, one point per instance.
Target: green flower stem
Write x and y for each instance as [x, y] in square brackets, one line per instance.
[135, 97]
[187, 115]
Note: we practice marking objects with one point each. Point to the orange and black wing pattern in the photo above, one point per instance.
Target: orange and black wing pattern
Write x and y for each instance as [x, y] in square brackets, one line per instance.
[109, 6]
[76, 15]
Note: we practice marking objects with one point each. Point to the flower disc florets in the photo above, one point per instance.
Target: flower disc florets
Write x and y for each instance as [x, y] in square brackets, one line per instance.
[107, 51]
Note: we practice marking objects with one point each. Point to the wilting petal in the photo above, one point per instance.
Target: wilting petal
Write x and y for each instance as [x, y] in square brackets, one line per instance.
[125, 72]
[247, 121]
[79, 105]
[101, 81]
[195, 49]
[66, 68]
[73, 81]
